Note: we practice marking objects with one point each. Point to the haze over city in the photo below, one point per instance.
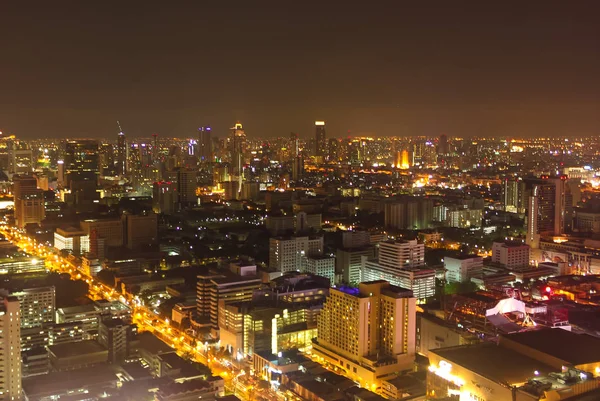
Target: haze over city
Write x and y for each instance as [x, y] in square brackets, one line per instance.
[387, 68]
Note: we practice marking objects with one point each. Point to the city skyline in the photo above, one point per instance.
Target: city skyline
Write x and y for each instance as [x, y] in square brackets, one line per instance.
[396, 69]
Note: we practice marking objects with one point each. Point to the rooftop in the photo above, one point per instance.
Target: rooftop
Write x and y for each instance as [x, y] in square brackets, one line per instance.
[575, 349]
[496, 363]
[78, 348]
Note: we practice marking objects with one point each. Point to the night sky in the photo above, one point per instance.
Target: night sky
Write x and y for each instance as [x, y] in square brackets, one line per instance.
[490, 68]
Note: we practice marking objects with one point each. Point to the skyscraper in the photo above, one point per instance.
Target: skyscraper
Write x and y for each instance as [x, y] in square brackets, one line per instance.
[121, 154]
[334, 149]
[204, 145]
[81, 161]
[29, 201]
[368, 332]
[10, 349]
[547, 202]
[320, 140]
[237, 149]
[443, 147]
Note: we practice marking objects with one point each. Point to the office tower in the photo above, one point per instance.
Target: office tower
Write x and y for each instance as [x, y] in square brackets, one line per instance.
[402, 264]
[186, 187]
[443, 146]
[294, 145]
[10, 349]
[165, 197]
[107, 160]
[513, 193]
[82, 170]
[549, 203]
[121, 167]
[222, 287]
[110, 230]
[21, 158]
[320, 139]
[510, 254]
[81, 161]
[286, 254]
[334, 150]
[115, 335]
[29, 201]
[368, 332]
[237, 149]
[205, 151]
[297, 168]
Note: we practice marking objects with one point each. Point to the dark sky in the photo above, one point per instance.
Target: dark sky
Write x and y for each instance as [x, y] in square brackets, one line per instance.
[527, 68]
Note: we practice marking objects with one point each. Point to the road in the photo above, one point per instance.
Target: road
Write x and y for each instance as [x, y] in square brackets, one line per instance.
[237, 381]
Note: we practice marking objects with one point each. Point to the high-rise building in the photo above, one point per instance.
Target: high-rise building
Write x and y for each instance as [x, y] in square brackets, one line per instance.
[81, 161]
[443, 146]
[10, 349]
[121, 167]
[37, 305]
[21, 158]
[408, 212]
[29, 201]
[334, 149]
[321, 266]
[513, 196]
[286, 254]
[237, 149]
[320, 139]
[368, 332]
[165, 197]
[205, 152]
[186, 186]
[348, 262]
[401, 263]
[115, 335]
[549, 206]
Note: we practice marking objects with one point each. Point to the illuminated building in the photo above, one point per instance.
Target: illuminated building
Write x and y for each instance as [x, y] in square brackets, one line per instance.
[245, 329]
[286, 253]
[87, 316]
[237, 149]
[29, 201]
[111, 230]
[549, 208]
[532, 365]
[36, 305]
[81, 161]
[121, 162]
[368, 332]
[461, 268]
[219, 288]
[510, 254]
[21, 264]
[334, 150]
[404, 160]
[72, 239]
[349, 261]
[21, 156]
[10, 349]
[320, 139]
[115, 335]
[512, 196]
[402, 264]
[464, 218]
[320, 265]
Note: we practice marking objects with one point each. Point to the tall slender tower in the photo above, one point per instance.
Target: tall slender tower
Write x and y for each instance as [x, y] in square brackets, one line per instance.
[10, 349]
[320, 141]
[204, 145]
[121, 152]
[237, 148]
